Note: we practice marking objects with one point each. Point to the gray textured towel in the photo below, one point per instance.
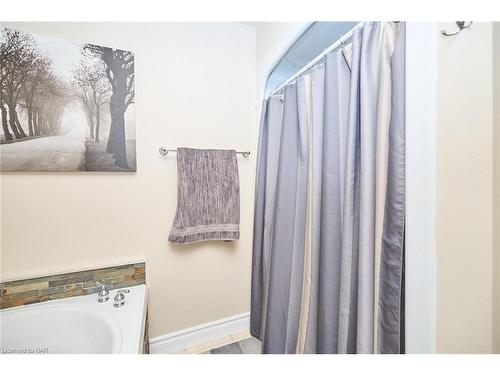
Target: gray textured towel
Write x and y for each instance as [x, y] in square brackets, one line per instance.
[208, 196]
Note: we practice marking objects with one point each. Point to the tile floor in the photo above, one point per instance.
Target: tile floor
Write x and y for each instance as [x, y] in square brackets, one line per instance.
[238, 343]
[247, 346]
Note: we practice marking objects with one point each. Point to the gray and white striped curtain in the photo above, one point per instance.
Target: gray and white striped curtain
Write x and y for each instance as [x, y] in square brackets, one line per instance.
[327, 273]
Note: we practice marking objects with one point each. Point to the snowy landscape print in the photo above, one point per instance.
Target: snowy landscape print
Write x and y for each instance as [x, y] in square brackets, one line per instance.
[65, 106]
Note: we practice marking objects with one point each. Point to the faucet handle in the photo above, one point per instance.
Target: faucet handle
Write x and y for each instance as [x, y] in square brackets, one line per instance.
[103, 294]
[120, 298]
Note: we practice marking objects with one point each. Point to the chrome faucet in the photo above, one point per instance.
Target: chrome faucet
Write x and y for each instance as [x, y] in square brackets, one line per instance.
[120, 298]
[103, 294]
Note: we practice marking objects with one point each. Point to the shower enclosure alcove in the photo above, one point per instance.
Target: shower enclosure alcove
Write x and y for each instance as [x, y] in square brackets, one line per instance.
[420, 112]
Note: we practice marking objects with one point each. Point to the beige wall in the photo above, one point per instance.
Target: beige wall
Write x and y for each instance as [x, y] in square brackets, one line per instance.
[269, 34]
[195, 86]
[464, 222]
[496, 191]
[273, 39]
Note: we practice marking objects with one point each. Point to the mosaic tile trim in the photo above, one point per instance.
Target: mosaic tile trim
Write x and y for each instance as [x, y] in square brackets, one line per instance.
[145, 345]
[40, 289]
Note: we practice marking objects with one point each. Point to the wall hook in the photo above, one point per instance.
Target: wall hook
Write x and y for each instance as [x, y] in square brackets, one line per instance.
[461, 25]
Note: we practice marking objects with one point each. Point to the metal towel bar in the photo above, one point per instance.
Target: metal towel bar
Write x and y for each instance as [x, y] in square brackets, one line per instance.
[164, 151]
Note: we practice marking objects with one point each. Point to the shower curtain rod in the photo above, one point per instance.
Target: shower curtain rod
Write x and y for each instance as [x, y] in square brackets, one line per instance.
[341, 41]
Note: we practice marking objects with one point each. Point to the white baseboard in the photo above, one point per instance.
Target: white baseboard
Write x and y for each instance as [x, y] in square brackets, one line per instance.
[195, 336]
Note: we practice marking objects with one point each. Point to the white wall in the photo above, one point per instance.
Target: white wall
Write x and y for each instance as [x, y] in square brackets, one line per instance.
[195, 86]
[464, 213]
[496, 186]
[420, 232]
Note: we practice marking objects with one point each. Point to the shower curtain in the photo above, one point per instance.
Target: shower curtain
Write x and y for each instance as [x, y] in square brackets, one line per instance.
[328, 252]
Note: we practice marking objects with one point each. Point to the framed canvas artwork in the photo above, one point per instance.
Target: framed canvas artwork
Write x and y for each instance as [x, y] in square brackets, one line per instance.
[65, 106]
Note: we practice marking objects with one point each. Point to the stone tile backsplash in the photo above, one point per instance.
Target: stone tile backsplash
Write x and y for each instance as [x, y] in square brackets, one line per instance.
[40, 289]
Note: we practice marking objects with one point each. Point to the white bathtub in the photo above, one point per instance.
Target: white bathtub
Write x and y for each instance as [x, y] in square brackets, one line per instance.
[76, 325]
